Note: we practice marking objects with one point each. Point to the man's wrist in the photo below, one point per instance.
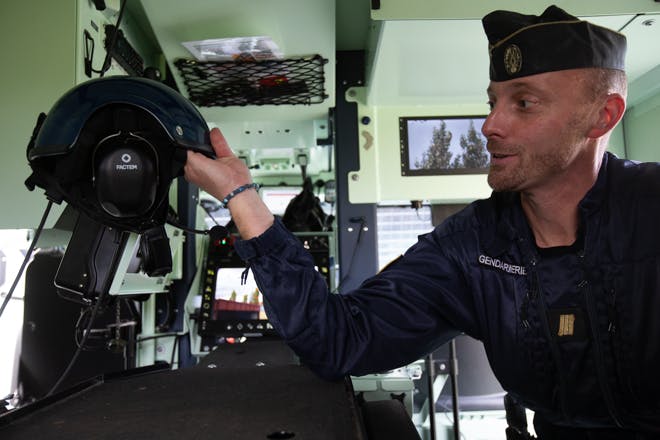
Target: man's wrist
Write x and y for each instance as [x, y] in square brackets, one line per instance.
[237, 191]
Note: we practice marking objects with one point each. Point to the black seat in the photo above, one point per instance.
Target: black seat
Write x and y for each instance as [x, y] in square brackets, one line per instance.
[388, 420]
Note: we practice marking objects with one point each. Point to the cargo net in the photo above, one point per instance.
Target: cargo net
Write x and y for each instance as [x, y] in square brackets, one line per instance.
[287, 81]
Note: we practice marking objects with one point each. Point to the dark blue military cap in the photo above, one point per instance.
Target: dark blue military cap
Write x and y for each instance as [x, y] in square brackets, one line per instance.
[522, 45]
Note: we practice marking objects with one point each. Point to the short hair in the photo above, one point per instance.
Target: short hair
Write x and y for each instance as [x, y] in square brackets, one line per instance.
[601, 82]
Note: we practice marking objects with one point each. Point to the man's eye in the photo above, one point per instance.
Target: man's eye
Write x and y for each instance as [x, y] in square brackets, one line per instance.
[526, 103]
[491, 105]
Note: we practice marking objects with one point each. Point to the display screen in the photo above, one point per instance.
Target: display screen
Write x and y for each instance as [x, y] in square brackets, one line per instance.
[231, 304]
[442, 145]
[236, 299]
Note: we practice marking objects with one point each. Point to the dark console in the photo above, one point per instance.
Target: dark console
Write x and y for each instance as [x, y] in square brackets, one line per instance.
[232, 304]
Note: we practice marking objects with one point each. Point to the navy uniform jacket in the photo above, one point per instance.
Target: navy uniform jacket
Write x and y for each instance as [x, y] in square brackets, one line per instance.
[572, 332]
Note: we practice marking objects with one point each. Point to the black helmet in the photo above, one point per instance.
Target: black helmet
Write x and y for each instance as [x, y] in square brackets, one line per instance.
[110, 147]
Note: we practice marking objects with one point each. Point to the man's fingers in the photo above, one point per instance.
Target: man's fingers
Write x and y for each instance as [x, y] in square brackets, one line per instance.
[193, 161]
[219, 143]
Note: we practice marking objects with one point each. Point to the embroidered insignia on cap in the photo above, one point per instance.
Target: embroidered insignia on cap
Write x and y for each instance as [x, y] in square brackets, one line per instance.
[512, 59]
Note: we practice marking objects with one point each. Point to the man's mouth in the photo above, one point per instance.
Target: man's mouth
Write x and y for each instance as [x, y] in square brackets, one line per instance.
[500, 158]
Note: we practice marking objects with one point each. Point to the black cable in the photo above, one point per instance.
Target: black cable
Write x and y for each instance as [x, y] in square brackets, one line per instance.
[83, 342]
[28, 255]
[108, 53]
[67, 370]
[186, 228]
[216, 232]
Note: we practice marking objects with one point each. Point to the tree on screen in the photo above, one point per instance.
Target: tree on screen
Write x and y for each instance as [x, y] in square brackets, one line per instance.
[474, 150]
[438, 154]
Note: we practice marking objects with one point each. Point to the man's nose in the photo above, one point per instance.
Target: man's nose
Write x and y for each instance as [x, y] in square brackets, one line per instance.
[494, 124]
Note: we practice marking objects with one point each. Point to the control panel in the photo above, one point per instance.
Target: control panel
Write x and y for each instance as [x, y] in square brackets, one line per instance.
[232, 303]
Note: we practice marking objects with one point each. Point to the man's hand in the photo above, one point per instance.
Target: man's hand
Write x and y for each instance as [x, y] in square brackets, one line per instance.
[221, 176]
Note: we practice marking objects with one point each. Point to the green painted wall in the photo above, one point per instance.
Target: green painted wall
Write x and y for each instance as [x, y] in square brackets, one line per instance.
[617, 142]
[642, 130]
[37, 40]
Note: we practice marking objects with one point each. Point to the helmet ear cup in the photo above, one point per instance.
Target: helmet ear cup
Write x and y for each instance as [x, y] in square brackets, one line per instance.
[125, 175]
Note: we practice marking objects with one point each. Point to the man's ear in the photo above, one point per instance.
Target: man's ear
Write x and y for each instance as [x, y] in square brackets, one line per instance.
[608, 115]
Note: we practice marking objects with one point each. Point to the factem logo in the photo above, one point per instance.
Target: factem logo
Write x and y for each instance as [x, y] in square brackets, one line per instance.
[126, 158]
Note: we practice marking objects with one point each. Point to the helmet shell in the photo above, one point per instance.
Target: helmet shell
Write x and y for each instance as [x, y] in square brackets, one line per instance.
[179, 118]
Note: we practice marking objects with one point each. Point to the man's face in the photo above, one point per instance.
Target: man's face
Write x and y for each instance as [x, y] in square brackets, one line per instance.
[536, 128]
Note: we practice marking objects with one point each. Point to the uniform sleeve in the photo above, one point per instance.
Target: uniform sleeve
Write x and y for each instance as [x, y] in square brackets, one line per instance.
[394, 318]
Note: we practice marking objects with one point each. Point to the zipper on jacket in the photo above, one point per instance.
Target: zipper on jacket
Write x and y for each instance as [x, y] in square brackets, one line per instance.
[524, 310]
[611, 311]
[554, 349]
[600, 358]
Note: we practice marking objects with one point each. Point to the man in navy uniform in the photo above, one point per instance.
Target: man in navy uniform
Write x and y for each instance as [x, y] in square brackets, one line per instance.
[558, 272]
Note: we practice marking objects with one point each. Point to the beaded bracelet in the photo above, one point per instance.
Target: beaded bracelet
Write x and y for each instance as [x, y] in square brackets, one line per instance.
[237, 191]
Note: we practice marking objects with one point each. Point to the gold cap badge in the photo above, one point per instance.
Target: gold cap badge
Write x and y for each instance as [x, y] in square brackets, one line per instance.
[512, 59]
